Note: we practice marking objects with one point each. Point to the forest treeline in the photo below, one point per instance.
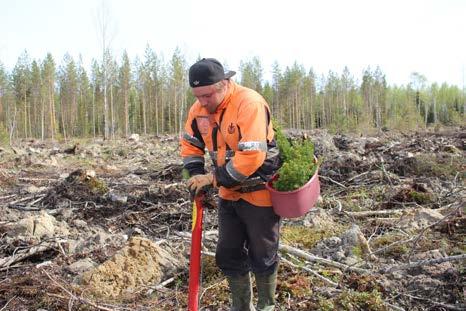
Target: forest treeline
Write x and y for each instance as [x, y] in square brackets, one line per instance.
[118, 96]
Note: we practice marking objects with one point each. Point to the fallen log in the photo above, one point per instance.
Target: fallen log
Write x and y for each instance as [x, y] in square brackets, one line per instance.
[426, 262]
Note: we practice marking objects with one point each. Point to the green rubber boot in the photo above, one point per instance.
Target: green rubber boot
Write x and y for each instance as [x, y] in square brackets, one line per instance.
[266, 286]
[241, 293]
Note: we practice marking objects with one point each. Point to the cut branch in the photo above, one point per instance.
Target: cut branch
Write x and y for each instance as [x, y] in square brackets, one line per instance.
[313, 258]
[376, 213]
[23, 254]
[328, 281]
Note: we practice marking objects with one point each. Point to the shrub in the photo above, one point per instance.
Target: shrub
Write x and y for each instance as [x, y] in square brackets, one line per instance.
[298, 162]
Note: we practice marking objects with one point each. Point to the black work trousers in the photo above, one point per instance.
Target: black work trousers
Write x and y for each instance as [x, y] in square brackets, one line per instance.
[248, 238]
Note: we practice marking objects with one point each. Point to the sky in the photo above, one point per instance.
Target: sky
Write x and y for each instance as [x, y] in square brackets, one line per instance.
[400, 36]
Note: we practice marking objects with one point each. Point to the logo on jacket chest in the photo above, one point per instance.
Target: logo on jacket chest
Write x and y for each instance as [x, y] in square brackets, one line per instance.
[231, 128]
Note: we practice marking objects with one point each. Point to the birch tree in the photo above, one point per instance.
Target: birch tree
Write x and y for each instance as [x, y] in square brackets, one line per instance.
[106, 32]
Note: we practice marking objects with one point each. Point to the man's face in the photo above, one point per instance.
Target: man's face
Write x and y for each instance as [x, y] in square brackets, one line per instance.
[210, 96]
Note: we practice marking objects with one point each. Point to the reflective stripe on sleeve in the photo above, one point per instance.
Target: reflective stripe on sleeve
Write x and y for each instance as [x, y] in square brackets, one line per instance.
[193, 141]
[193, 159]
[234, 173]
[252, 146]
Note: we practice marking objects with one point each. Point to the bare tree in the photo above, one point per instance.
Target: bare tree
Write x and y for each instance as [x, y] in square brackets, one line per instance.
[106, 32]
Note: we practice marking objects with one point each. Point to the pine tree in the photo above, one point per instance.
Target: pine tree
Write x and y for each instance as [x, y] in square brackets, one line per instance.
[251, 74]
[22, 87]
[37, 103]
[48, 76]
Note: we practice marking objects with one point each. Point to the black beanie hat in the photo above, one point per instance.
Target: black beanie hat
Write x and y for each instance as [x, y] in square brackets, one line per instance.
[207, 71]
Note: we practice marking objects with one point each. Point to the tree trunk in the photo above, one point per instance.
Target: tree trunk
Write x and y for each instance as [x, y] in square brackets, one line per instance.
[42, 119]
[125, 95]
[52, 112]
[63, 118]
[93, 112]
[144, 124]
[162, 126]
[25, 117]
[156, 115]
[106, 126]
[12, 126]
[112, 132]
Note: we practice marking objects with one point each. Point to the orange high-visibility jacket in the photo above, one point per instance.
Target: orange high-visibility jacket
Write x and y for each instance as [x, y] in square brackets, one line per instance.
[239, 138]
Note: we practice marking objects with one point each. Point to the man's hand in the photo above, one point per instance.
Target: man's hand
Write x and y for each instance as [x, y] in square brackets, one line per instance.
[198, 183]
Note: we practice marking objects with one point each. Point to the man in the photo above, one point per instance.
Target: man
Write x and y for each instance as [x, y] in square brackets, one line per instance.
[233, 123]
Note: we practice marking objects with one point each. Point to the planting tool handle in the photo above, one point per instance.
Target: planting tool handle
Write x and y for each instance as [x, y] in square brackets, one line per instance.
[195, 258]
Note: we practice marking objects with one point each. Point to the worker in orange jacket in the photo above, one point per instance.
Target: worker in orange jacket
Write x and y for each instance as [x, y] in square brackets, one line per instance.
[233, 124]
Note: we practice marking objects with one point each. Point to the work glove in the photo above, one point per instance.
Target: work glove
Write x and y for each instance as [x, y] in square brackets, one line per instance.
[199, 183]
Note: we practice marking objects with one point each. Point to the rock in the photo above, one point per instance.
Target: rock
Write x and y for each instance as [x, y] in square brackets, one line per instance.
[134, 137]
[121, 199]
[318, 218]
[33, 189]
[33, 150]
[97, 240]
[340, 248]
[81, 266]
[42, 225]
[421, 218]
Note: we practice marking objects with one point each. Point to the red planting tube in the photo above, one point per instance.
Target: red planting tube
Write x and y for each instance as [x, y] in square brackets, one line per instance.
[195, 258]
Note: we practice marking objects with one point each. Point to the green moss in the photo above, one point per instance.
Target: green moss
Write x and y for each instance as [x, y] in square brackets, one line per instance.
[351, 300]
[185, 174]
[420, 197]
[357, 251]
[325, 304]
[362, 198]
[309, 237]
[334, 275]
[96, 186]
